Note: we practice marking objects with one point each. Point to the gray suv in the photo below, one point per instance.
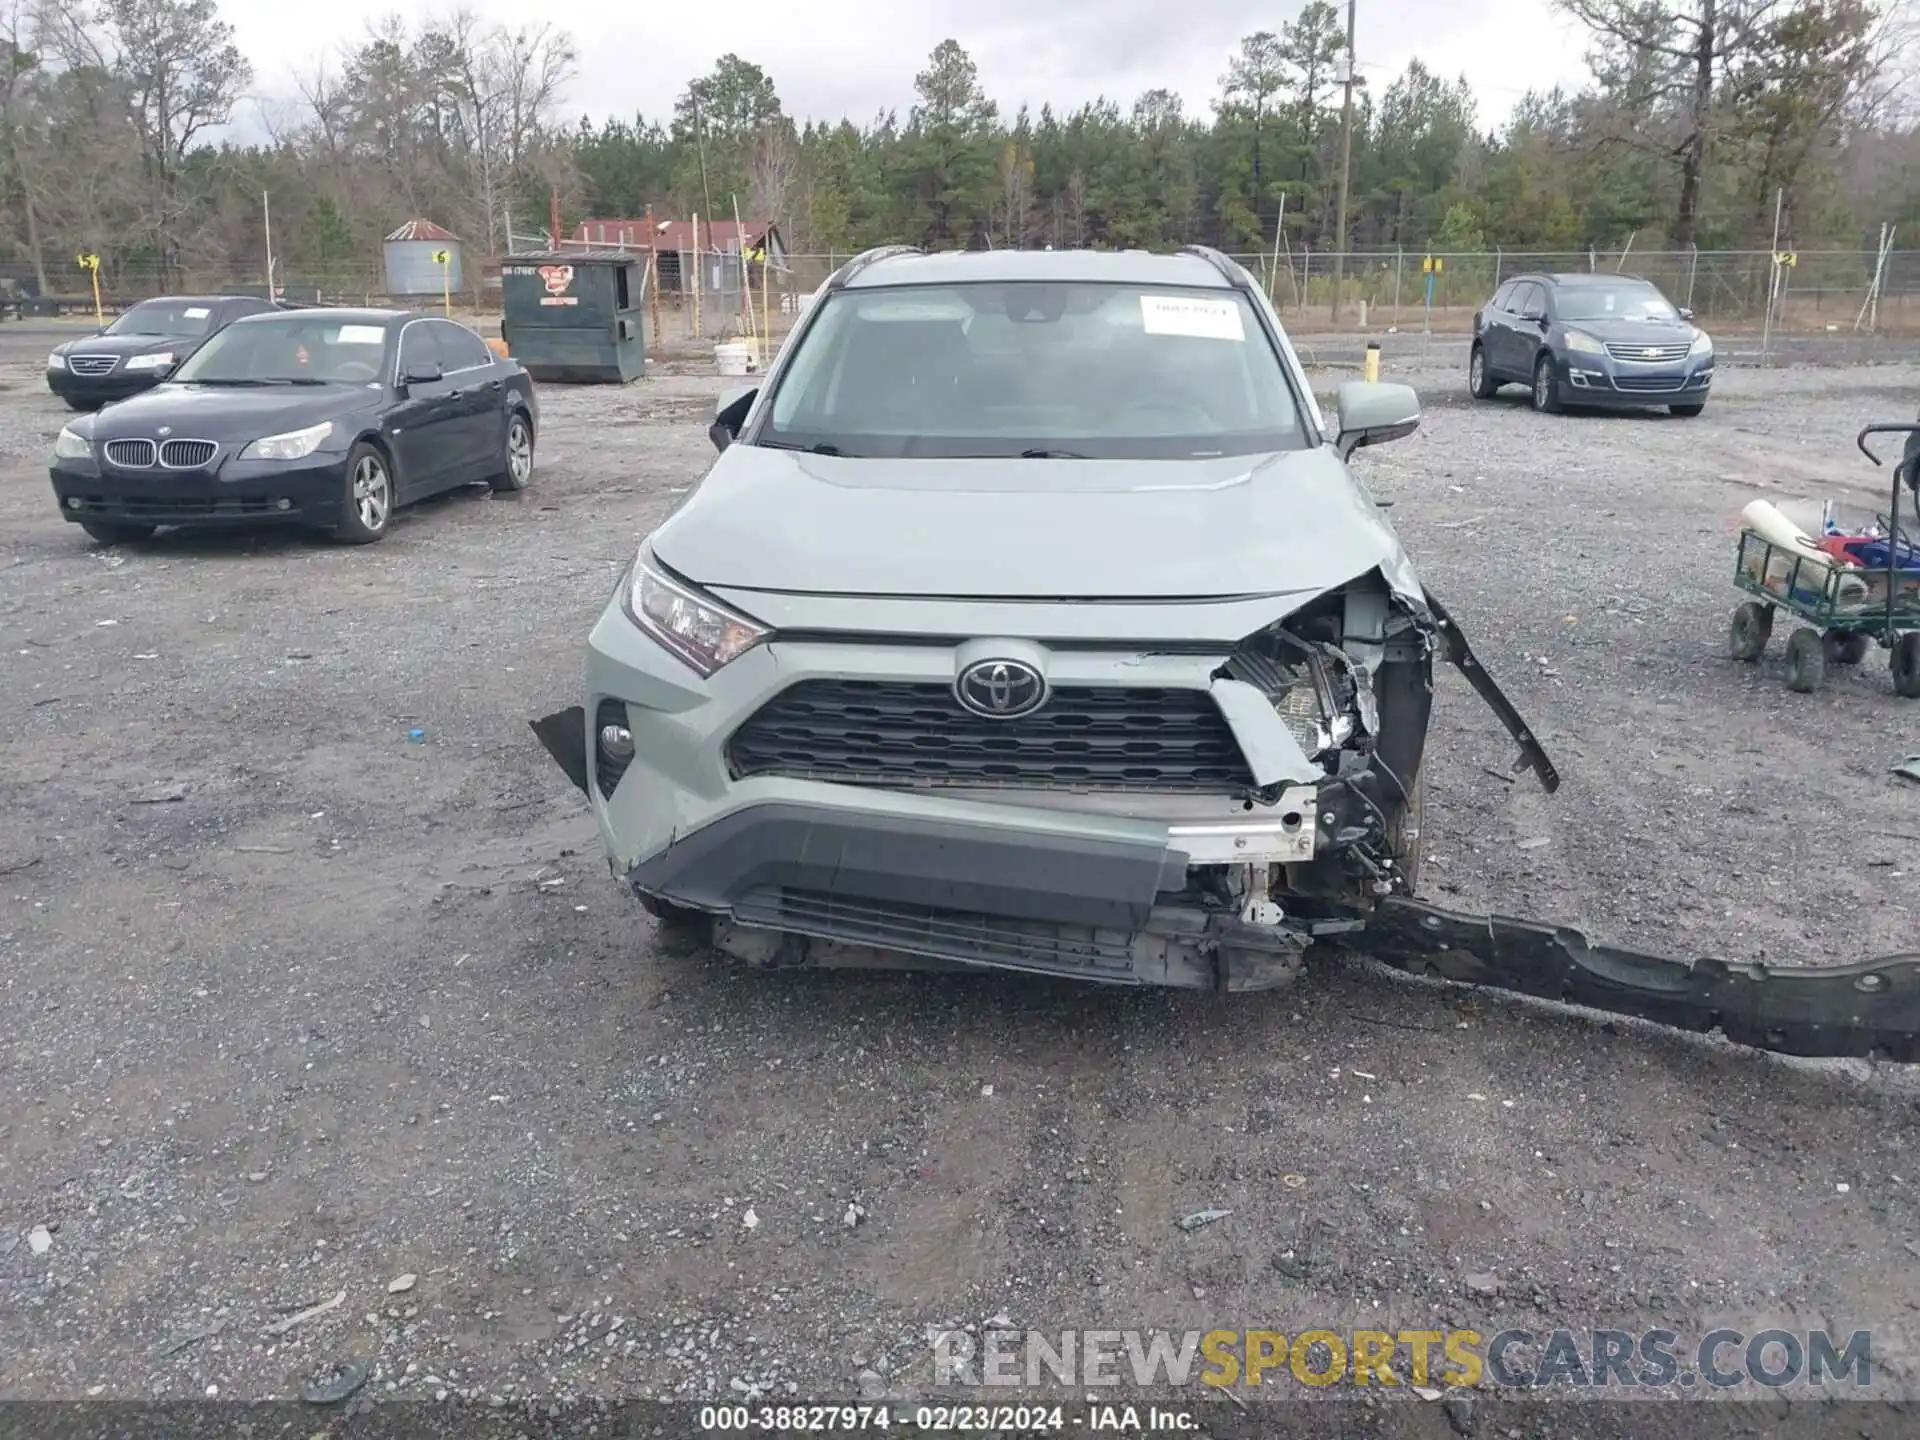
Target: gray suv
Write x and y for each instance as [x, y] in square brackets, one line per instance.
[1029, 618]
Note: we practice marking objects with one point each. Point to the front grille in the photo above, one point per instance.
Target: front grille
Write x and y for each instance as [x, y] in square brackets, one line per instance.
[942, 934]
[187, 454]
[92, 364]
[909, 733]
[1650, 384]
[606, 769]
[1651, 354]
[130, 454]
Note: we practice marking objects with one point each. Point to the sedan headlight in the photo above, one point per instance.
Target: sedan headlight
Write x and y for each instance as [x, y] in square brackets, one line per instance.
[69, 446]
[294, 445]
[695, 627]
[164, 360]
[1584, 343]
[56, 361]
[1702, 344]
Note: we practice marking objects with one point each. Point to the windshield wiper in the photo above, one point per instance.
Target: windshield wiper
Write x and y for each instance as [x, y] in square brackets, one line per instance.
[822, 448]
[1053, 455]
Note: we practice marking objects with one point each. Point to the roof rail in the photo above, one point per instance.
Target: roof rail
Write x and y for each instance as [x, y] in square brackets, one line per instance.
[1236, 275]
[853, 267]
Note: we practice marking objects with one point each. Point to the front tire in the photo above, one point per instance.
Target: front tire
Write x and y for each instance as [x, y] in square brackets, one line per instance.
[1906, 665]
[1752, 628]
[516, 464]
[367, 507]
[1687, 412]
[1404, 832]
[106, 532]
[1480, 381]
[85, 407]
[1546, 386]
[1806, 662]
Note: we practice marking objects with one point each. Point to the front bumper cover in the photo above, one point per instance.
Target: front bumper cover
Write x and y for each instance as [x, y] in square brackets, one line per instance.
[250, 492]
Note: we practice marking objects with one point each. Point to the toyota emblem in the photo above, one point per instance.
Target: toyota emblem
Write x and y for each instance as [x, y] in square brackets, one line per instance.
[1000, 689]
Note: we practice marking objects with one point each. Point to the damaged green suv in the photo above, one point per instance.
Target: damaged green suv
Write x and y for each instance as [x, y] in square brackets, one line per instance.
[1029, 618]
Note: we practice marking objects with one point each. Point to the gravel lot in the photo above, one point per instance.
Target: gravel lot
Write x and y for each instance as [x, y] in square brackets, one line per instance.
[327, 1020]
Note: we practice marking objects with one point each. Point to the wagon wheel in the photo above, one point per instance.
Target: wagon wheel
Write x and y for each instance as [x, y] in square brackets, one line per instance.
[1906, 665]
[1752, 628]
[1844, 647]
[1806, 662]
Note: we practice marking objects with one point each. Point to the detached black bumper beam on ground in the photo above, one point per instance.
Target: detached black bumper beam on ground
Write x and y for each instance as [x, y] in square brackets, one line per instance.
[1868, 1008]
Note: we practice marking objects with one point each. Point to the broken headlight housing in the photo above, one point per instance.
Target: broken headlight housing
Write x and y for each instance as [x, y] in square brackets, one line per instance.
[1315, 688]
[695, 627]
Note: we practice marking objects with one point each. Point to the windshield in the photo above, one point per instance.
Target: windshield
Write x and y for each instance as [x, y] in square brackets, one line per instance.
[1080, 370]
[1613, 302]
[187, 319]
[290, 350]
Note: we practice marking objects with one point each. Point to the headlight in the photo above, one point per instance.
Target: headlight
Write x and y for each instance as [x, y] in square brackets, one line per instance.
[1702, 343]
[294, 445]
[152, 362]
[1584, 343]
[56, 361]
[699, 630]
[69, 446]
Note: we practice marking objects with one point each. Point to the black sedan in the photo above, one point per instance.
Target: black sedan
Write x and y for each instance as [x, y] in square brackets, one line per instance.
[142, 346]
[1612, 342]
[324, 418]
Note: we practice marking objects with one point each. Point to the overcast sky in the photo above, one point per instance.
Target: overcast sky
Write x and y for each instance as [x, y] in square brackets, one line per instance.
[855, 57]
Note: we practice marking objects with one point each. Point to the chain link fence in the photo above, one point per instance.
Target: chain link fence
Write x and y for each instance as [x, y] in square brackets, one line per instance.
[1819, 291]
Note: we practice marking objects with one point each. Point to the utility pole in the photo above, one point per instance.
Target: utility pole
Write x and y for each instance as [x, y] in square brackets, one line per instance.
[1346, 164]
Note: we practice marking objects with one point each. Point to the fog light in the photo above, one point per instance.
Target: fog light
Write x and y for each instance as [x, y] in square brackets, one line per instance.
[283, 504]
[73, 502]
[616, 742]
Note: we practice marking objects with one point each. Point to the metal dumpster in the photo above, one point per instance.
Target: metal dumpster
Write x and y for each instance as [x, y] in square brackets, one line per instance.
[576, 316]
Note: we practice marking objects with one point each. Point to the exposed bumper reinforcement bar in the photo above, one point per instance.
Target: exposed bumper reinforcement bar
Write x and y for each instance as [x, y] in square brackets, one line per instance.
[1868, 1008]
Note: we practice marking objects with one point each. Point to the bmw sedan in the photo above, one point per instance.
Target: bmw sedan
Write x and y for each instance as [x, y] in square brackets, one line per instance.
[1612, 342]
[323, 418]
[142, 347]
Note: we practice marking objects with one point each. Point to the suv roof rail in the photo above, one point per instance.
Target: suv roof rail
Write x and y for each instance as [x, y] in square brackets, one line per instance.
[853, 267]
[1236, 275]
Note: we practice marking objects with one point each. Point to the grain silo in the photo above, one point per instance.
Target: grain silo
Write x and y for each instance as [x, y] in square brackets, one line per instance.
[411, 266]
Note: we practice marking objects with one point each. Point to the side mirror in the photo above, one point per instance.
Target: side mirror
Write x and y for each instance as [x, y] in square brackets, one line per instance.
[423, 372]
[1686, 314]
[1535, 317]
[1372, 413]
[729, 414]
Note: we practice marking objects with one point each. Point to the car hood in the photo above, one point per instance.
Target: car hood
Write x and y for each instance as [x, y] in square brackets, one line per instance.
[124, 345]
[222, 412]
[780, 520]
[1636, 332]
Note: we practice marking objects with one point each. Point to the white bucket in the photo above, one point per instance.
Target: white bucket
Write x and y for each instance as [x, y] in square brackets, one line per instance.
[732, 358]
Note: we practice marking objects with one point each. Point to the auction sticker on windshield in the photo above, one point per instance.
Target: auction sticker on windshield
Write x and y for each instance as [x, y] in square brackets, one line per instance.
[196, 312]
[1191, 316]
[360, 335]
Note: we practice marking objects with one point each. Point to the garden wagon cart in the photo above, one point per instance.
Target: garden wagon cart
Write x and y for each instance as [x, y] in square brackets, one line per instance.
[1846, 609]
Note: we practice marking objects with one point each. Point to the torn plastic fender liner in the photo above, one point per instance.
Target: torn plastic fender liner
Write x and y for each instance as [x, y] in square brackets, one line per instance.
[1864, 1008]
[1272, 753]
[1460, 654]
[564, 736]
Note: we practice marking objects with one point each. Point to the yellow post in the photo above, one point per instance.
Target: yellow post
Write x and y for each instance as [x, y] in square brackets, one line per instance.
[91, 263]
[1371, 371]
[444, 259]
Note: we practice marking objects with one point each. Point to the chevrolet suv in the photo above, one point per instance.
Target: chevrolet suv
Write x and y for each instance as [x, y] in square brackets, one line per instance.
[1030, 618]
[1611, 342]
